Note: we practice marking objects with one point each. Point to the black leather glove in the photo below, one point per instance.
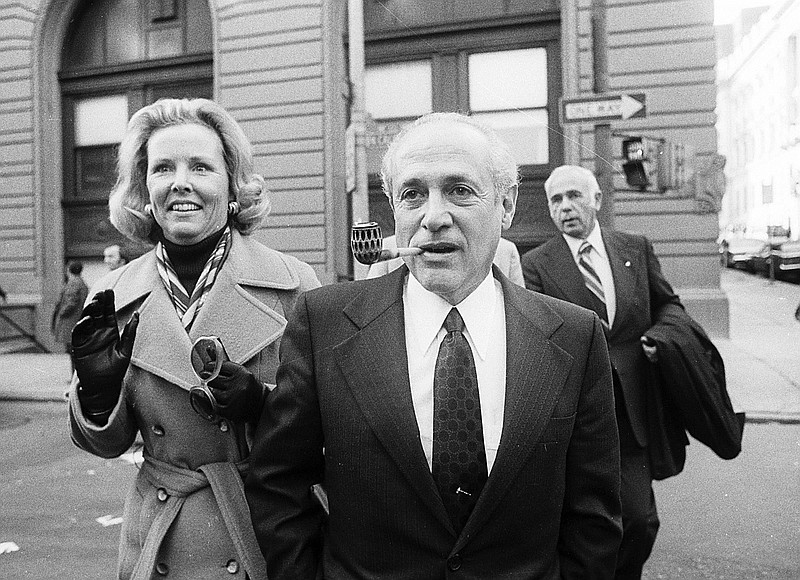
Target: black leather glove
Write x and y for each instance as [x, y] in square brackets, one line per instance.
[101, 356]
[239, 394]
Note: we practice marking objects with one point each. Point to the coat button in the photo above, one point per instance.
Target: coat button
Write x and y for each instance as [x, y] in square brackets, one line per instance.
[162, 494]
[454, 562]
[223, 427]
[232, 566]
[162, 569]
[158, 430]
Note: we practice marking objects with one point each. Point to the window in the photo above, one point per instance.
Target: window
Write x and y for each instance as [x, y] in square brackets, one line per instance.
[508, 91]
[507, 76]
[400, 90]
[99, 126]
[117, 57]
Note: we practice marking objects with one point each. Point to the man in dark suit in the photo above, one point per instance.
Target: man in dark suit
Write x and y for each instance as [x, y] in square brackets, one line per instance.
[618, 276]
[461, 425]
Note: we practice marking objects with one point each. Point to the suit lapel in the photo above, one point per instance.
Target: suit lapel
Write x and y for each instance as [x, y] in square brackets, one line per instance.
[563, 273]
[623, 270]
[536, 370]
[374, 364]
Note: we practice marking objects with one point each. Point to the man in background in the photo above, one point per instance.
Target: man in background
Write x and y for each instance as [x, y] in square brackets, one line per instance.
[68, 309]
[619, 277]
[113, 257]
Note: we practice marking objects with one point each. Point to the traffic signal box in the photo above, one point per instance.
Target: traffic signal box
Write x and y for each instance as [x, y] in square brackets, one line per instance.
[651, 164]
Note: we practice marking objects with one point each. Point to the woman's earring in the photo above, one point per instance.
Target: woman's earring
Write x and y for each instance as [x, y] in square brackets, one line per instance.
[233, 208]
[148, 209]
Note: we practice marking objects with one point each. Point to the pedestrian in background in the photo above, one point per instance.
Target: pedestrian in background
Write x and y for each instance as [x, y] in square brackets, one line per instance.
[67, 311]
[114, 257]
[506, 259]
[618, 276]
[186, 184]
[461, 425]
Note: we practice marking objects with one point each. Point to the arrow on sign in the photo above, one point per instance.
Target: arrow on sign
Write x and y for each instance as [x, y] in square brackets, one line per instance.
[600, 108]
[630, 106]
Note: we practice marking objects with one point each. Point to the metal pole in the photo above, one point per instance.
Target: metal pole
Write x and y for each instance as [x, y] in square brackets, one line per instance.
[359, 199]
[602, 133]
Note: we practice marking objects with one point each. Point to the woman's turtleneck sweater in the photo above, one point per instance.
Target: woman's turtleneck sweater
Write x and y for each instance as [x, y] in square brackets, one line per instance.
[189, 261]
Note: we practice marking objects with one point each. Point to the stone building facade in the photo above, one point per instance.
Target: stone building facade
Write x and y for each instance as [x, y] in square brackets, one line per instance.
[73, 70]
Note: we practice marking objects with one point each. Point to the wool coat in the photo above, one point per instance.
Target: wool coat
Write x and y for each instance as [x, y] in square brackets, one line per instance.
[185, 513]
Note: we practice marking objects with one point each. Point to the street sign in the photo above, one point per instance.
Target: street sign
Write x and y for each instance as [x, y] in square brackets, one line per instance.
[603, 108]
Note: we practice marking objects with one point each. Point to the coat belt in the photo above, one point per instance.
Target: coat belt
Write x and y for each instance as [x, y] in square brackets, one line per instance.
[225, 479]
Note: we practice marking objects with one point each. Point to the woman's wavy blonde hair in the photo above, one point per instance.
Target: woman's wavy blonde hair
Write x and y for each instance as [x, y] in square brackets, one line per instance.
[129, 195]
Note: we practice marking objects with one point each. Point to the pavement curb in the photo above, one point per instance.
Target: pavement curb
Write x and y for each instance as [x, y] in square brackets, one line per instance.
[769, 417]
[33, 397]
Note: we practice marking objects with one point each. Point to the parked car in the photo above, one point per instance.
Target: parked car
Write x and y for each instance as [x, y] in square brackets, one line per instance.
[785, 256]
[742, 252]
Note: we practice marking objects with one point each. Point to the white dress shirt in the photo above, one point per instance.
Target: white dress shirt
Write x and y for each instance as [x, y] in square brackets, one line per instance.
[601, 265]
[483, 312]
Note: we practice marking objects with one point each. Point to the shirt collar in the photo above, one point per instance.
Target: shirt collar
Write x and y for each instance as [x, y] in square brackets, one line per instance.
[426, 312]
[595, 238]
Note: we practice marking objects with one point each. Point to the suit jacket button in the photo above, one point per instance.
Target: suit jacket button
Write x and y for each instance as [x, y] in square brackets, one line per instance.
[162, 494]
[158, 430]
[162, 569]
[454, 562]
[223, 426]
[232, 566]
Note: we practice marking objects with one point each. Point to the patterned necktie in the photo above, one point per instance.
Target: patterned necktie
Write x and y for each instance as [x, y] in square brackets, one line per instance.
[592, 280]
[459, 458]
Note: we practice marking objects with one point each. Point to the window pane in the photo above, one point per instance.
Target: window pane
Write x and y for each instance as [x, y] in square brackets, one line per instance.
[100, 120]
[95, 171]
[398, 90]
[510, 79]
[525, 132]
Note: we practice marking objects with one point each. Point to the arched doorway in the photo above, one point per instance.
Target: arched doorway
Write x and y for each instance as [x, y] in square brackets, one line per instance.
[90, 58]
[118, 56]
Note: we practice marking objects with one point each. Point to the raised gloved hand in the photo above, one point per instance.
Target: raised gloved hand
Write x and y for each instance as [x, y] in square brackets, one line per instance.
[101, 356]
[239, 394]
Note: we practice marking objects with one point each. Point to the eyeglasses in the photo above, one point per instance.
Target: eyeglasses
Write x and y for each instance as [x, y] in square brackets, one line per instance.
[207, 357]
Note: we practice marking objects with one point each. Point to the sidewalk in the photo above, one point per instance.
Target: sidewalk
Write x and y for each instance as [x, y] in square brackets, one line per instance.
[761, 356]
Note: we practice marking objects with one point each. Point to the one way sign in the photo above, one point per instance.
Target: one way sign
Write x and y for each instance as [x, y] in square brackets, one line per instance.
[603, 108]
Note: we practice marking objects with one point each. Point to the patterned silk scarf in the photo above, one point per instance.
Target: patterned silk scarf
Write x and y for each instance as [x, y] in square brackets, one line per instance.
[188, 306]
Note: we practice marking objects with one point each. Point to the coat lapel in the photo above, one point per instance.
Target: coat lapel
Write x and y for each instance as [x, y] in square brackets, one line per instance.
[239, 309]
[536, 370]
[374, 364]
[242, 308]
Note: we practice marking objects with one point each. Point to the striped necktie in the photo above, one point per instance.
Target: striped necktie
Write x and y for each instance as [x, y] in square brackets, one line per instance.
[592, 280]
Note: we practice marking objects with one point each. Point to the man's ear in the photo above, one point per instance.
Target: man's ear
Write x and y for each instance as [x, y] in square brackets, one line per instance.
[509, 199]
[598, 198]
